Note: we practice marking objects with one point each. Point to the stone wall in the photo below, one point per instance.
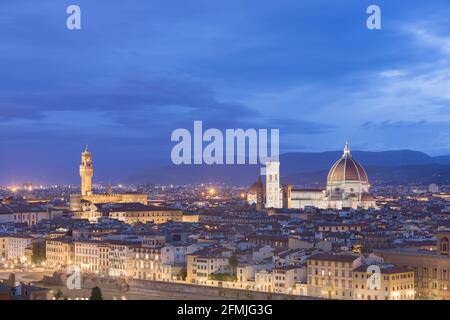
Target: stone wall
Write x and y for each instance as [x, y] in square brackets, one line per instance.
[88, 282]
[145, 286]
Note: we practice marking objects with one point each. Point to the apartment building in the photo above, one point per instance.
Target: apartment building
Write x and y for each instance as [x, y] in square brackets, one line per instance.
[431, 268]
[200, 267]
[285, 278]
[135, 212]
[330, 276]
[27, 213]
[120, 253]
[87, 255]
[383, 282]
[144, 263]
[17, 245]
[277, 280]
[3, 246]
[60, 252]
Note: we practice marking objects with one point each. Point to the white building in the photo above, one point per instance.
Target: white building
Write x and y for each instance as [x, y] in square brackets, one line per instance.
[176, 254]
[347, 187]
[87, 255]
[274, 194]
[28, 214]
[120, 253]
[434, 188]
[16, 246]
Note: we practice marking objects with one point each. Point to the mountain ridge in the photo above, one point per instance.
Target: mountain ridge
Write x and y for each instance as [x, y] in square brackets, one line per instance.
[309, 168]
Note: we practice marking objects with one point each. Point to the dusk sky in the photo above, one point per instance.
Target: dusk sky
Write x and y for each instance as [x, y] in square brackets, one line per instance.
[139, 69]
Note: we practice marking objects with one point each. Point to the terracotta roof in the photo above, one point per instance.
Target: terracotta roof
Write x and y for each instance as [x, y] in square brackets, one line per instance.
[347, 169]
[333, 257]
[385, 269]
[127, 207]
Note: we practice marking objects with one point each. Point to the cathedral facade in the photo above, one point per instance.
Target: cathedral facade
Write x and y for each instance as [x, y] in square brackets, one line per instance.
[347, 187]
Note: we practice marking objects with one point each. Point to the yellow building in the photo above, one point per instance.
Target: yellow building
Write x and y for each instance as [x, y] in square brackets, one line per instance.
[17, 245]
[87, 255]
[330, 276]
[192, 218]
[431, 268]
[389, 282]
[59, 252]
[3, 246]
[133, 213]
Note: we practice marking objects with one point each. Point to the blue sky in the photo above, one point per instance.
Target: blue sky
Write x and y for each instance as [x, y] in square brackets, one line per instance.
[140, 69]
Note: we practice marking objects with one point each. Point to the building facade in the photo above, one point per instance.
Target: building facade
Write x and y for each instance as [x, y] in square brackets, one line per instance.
[431, 268]
[59, 252]
[390, 282]
[17, 245]
[274, 193]
[347, 187]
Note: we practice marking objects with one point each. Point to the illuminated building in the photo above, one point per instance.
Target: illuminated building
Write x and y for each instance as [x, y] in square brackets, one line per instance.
[273, 190]
[392, 283]
[87, 197]
[201, 266]
[347, 187]
[431, 268]
[131, 213]
[330, 276]
[86, 173]
[3, 246]
[26, 213]
[17, 244]
[59, 252]
[257, 195]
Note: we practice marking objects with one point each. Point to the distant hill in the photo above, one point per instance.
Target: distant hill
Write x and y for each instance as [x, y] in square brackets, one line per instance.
[418, 174]
[399, 166]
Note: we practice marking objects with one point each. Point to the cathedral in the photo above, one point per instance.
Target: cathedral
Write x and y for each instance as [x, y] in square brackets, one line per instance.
[347, 187]
[87, 197]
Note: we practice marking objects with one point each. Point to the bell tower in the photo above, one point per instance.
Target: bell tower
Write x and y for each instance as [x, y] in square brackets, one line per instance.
[86, 173]
[274, 194]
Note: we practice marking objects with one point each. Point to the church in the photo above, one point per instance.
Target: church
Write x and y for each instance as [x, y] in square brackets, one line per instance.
[347, 187]
[87, 197]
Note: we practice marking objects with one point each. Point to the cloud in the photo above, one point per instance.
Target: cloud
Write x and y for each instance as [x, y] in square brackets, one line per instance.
[122, 85]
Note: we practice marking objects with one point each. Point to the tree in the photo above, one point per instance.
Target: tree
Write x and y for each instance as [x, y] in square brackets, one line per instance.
[58, 295]
[38, 253]
[222, 277]
[96, 294]
[182, 274]
[233, 262]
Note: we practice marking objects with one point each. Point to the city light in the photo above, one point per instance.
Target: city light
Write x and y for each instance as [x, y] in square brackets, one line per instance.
[317, 167]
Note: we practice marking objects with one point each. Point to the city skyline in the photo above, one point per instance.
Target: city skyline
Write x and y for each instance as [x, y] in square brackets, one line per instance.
[232, 156]
[236, 67]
